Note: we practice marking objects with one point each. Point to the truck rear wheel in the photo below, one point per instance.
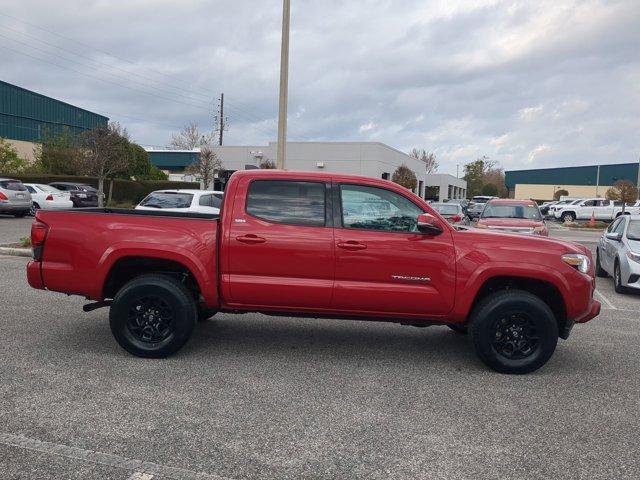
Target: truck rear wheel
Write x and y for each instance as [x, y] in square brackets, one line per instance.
[513, 331]
[152, 316]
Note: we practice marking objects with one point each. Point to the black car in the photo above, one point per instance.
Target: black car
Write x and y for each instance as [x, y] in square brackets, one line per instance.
[81, 195]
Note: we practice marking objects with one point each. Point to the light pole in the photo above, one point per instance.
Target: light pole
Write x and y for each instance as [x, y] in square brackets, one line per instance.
[284, 85]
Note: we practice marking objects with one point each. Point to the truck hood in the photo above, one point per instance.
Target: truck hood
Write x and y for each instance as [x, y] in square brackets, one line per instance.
[527, 243]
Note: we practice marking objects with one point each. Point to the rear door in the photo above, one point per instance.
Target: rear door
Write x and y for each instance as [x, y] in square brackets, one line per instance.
[280, 251]
[383, 264]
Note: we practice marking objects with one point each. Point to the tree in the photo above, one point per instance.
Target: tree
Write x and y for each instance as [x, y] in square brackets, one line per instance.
[140, 167]
[476, 173]
[495, 177]
[267, 164]
[10, 162]
[60, 154]
[404, 176]
[429, 159]
[206, 166]
[190, 138]
[623, 191]
[105, 152]
[560, 193]
[490, 190]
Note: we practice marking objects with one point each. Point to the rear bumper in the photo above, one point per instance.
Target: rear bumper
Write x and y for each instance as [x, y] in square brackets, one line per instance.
[14, 207]
[34, 275]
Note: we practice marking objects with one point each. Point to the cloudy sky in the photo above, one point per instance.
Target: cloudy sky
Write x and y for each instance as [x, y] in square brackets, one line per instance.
[527, 83]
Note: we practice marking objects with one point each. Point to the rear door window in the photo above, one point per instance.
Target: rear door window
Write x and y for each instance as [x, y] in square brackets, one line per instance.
[288, 202]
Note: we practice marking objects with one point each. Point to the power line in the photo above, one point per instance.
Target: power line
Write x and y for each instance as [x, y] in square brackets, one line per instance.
[177, 91]
[66, 67]
[93, 48]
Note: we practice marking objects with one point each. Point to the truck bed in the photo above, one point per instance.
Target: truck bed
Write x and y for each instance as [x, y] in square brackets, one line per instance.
[83, 245]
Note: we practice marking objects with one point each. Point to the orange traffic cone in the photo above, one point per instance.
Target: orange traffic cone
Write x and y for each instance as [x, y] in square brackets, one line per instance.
[592, 220]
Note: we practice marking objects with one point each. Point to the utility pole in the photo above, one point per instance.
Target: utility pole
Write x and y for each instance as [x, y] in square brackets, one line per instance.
[221, 121]
[284, 85]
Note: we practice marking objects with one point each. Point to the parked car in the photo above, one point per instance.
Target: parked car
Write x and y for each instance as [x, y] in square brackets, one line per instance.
[15, 199]
[196, 201]
[476, 205]
[561, 204]
[47, 197]
[81, 195]
[544, 208]
[463, 202]
[599, 208]
[453, 212]
[513, 216]
[283, 245]
[618, 253]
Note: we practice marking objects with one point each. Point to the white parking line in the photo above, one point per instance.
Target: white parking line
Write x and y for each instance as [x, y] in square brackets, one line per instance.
[606, 300]
[116, 461]
[140, 476]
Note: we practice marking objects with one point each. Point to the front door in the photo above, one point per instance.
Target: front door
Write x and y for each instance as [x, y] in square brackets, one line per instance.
[281, 245]
[383, 264]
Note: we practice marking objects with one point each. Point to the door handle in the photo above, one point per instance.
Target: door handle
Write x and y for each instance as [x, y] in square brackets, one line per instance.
[250, 238]
[352, 245]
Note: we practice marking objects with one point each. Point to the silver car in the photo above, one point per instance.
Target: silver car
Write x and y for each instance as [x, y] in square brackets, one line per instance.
[453, 212]
[15, 199]
[618, 253]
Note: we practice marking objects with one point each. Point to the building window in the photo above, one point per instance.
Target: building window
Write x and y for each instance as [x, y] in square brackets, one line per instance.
[386, 176]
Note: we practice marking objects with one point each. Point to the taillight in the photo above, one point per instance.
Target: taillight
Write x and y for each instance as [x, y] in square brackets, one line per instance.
[49, 198]
[39, 232]
[3, 196]
[456, 218]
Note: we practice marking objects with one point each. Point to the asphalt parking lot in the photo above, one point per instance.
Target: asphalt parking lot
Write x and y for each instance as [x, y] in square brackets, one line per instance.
[259, 397]
[13, 229]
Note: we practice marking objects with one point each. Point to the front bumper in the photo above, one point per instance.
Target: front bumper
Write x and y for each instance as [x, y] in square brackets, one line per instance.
[630, 271]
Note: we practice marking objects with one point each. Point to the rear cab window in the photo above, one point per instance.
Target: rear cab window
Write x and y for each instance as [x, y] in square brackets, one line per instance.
[167, 200]
[288, 202]
[13, 185]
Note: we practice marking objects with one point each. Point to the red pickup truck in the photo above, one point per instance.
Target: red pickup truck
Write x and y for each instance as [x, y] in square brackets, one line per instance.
[316, 245]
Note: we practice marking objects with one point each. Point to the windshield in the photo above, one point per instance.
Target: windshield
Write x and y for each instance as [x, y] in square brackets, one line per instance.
[167, 200]
[445, 209]
[528, 212]
[633, 231]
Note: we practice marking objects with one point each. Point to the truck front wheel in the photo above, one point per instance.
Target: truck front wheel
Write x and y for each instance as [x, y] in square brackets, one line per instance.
[513, 331]
[152, 316]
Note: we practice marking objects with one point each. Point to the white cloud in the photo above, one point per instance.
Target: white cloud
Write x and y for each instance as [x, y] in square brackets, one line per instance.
[367, 127]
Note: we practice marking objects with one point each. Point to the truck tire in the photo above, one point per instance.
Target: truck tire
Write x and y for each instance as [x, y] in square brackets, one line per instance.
[152, 316]
[513, 331]
[617, 278]
[600, 272]
[568, 217]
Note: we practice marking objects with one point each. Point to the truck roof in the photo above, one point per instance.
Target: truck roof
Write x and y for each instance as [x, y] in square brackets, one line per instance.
[320, 176]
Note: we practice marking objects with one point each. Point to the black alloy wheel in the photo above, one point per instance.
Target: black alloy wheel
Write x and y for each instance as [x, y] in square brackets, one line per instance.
[151, 319]
[516, 336]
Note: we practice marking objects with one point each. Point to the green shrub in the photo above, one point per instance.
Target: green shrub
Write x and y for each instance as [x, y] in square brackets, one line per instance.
[124, 191]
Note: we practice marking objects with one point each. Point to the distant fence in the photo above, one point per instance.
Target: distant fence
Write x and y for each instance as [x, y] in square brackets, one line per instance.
[124, 191]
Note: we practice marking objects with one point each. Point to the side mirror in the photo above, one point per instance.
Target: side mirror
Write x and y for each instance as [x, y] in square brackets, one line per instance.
[614, 236]
[429, 224]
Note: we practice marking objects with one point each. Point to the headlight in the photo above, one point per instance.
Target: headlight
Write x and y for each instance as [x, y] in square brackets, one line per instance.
[82, 195]
[633, 256]
[577, 260]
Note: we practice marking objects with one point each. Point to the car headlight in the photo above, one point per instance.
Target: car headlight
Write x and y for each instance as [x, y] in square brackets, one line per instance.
[82, 195]
[633, 256]
[577, 260]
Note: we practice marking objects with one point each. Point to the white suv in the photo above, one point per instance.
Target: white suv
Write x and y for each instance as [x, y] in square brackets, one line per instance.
[187, 201]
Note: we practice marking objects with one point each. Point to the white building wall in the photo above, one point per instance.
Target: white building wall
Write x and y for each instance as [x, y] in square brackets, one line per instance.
[371, 159]
[448, 185]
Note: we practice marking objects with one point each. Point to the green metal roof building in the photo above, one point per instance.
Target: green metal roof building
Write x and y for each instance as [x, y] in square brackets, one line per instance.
[582, 181]
[27, 116]
[172, 160]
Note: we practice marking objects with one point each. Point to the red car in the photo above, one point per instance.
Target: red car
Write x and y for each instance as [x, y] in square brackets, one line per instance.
[316, 245]
[513, 216]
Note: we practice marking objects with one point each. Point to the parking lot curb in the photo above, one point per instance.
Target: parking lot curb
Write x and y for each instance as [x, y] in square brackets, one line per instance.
[16, 252]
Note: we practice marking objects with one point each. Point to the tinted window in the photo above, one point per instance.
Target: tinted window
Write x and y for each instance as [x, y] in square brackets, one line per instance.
[293, 203]
[167, 200]
[529, 212]
[31, 189]
[633, 232]
[14, 185]
[612, 227]
[374, 208]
